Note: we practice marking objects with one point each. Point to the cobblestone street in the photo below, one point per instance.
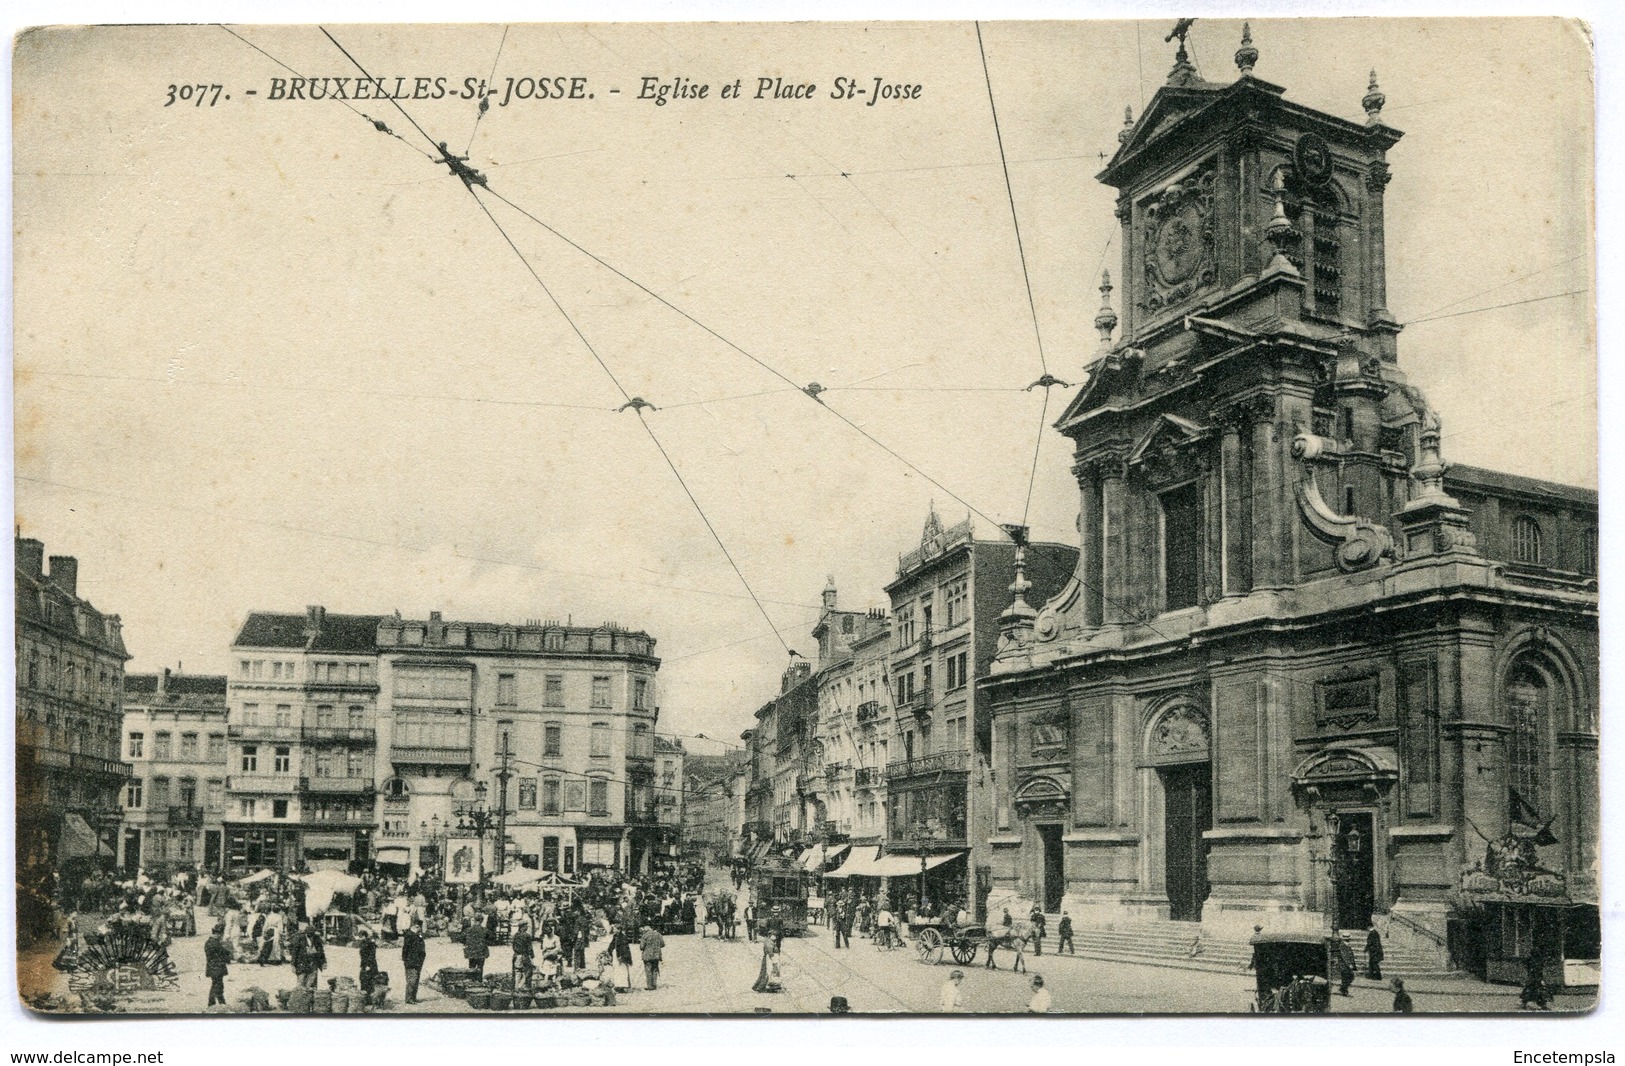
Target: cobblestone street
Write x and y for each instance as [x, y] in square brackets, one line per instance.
[710, 976]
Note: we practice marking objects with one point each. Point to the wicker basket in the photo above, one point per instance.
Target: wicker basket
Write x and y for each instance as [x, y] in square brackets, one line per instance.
[323, 1001]
[479, 999]
[501, 999]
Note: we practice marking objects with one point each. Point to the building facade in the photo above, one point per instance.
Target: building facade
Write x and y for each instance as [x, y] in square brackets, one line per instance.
[428, 743]
[670, 794]
[945, 605]
[1305, 673]
[302, 741]
[844, 683]
[70, 690]
[175, 800]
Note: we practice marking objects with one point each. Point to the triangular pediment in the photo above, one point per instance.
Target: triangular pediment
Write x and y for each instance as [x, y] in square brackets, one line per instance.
[1174, 105]
[1097, 387]
[1167, 431]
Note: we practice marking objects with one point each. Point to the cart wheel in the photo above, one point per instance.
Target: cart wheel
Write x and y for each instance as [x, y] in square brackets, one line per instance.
[965, 953]
[929, 945]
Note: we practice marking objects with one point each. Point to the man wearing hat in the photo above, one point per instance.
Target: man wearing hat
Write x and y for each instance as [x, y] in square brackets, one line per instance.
[368, 950]
[413, 954]
[838, 1005]
[216, 957]
[1345, 964]
[948, 1000]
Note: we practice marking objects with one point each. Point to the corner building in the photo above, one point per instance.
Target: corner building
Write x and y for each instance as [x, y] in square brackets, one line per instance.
[1306, 674]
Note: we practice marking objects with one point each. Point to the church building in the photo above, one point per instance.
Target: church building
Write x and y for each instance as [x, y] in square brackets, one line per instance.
[1306, 675]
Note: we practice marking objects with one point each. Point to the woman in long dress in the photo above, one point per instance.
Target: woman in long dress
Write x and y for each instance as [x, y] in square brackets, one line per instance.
[769, 978]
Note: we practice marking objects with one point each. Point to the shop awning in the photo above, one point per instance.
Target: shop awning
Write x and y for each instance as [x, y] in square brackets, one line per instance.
[857, 864]
[815, 857]
[394, 855]
[79, 840]
[909, 865]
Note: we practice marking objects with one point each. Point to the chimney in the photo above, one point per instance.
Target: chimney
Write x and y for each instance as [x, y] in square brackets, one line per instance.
[163, 681]
[31, 556]
[65, 573]
[315, 617]
[829, 593]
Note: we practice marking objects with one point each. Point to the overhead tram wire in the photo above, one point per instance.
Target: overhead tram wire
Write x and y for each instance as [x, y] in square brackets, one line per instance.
[765, 366]
[808, 390]
[485, 95]
[631, 401]
[1010, 192]
[376, 124]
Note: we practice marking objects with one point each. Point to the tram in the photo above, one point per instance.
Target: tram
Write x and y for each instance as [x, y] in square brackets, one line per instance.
[781, 883]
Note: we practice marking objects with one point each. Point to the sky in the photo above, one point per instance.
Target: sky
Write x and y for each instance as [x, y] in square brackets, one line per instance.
[268, 356]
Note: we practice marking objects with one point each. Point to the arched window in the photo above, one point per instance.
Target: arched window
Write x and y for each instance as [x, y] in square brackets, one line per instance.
[1525, 540]
[1528, 707]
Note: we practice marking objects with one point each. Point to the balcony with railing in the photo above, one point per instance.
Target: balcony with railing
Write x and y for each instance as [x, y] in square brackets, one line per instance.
[940, 762]
[917, 703]
[274, 784]
[834, 771]
[423, 755]
[867, 777]
[353, 735]
[263, 731]
[185, 817]
[340, 786]
[95, 764]
[868, 711]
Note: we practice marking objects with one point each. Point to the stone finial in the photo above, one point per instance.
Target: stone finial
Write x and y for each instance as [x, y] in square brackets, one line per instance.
[1128, 126]
[1106, 320]
[1246, 55]
[1372, 102]
[1279, 232]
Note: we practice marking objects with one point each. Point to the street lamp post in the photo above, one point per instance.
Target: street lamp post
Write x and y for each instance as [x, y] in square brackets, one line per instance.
[478, 819]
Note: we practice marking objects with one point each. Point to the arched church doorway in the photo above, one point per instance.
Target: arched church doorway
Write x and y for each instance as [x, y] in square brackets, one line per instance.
[1176, 750]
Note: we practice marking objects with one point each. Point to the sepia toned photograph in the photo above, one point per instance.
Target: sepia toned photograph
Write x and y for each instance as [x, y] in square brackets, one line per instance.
[759, 519]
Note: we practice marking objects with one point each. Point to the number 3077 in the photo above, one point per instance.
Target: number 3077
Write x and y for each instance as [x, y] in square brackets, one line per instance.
[195, 95]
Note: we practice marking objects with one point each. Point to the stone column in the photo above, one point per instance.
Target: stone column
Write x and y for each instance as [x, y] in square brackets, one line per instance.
[1234, 487]
[1376, 263]
[1091, 541]
[1115, 608]
[1271, 498]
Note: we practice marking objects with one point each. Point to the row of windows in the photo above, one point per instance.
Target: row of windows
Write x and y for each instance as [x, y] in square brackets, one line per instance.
[956, 674]
[553, 691]
[267, 670]
[164, 748]
[138, 795]
[72, 678]
[1528, 544]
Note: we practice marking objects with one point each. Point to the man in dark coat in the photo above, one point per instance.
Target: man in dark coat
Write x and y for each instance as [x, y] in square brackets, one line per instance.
[367, 948]
[1402, 998]
[475, 946]
[413, 954]
[304, 957]
[1373, 954]
[1345, 965]
[567, 940]
[216, 960]
[1037, 920]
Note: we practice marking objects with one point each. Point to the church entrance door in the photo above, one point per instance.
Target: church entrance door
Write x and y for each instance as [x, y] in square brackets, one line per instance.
[1188, 813]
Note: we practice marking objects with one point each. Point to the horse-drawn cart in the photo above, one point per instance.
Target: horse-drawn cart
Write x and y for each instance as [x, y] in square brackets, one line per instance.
[962, 942]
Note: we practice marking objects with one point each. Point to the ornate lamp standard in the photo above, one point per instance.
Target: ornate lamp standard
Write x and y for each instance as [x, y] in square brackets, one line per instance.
[477, 819]
[435, 834]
